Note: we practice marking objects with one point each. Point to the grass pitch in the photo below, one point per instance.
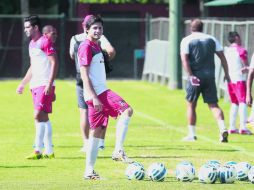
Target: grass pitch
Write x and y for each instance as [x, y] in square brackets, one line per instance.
[155, 132]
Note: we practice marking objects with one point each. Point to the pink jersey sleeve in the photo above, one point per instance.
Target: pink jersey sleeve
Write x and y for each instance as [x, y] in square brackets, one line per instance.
[243, 54]
[85, 54]
[47, 46]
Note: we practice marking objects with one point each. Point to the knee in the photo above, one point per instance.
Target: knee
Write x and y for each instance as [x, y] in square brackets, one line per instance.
[129, 111]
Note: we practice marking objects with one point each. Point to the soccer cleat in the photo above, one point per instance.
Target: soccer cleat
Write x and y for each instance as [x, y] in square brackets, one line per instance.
[189, 138]
[245, 132]
[121, 156]
[49, 156]
[92, 176]
[224, 136]
[101, 147]
[233, 131]
[35, 156]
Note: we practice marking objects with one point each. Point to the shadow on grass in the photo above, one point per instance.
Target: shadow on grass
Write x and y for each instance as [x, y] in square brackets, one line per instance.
[13, 167]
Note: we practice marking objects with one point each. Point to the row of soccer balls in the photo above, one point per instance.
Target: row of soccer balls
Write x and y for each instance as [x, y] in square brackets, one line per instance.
[185, 172]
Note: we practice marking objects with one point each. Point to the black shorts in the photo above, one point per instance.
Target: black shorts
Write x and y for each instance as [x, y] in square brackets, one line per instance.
[80, 97]
[208, 89]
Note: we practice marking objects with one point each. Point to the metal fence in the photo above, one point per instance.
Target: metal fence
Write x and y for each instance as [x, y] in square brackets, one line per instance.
[159, 37]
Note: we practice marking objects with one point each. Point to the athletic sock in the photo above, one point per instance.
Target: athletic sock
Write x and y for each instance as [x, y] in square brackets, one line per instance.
[121, 131]
[48, 138]
[39, 135]
[101, 143]
[192, 130]
[243, 115]
[91, 154]
[221, 125]
[233, 116]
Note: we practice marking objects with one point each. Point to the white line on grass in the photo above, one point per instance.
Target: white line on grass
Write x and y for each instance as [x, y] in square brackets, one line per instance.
[179, 130]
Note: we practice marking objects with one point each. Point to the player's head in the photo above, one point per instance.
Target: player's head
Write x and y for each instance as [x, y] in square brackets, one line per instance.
[196, 25]
[50, 32]
[234, 37]
[32, 25]
[93, 26]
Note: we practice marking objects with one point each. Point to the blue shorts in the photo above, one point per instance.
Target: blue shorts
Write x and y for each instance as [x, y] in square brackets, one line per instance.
[80, 97]
[207, 88]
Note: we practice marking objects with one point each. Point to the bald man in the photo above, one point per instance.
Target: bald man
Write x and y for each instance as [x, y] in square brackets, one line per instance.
[50, 32]
[197, 55]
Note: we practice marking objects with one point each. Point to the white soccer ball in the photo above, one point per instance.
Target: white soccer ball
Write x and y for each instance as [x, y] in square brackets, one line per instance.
[207, 174]
[214, 163]
[242, 170]
[135, 171]
[230, 163]
[185, 171]
[251, 175]
[226, 174]
[157, 171]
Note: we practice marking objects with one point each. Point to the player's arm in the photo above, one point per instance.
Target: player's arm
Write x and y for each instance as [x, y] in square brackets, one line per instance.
[224, 64]
[25, 80]
[84, 70]
[106, 45]
[71, 50]
[249, 86]
[185, 62]
[54, 68]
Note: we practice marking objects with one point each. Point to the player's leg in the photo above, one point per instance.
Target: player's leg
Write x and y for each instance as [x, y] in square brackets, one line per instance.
[209, 93]
[48, 144]
[117, 107]
[233, 109]
[219, 116]
[191, 118]
[241, 96]
[192, 94]
[121, 131]
[92, 152]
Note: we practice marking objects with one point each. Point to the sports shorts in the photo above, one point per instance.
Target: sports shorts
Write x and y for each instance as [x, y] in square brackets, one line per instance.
[80, 97]
[237, 92]
[113, 106]
[41, 101]
[207, 88]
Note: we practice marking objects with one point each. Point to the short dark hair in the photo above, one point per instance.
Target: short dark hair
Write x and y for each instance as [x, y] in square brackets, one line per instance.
[232, 35]
[196, 25]
[93, 19]
[34, 20]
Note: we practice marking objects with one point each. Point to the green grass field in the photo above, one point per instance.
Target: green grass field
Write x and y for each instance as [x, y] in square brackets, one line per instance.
[154, 135]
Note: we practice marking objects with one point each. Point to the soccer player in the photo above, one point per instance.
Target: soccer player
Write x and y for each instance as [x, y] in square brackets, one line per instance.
[74, 44]
[50, 32]
[197, 55]
[101, 101]
[237, 60]
[41, 75]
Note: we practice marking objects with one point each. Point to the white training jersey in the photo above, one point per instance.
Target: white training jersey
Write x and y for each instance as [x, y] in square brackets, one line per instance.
[89, 54]
[234, 64]
[39, 51]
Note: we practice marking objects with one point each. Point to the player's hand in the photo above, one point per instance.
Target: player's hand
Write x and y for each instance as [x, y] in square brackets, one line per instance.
[20, 89]
[227, 78]
[47, 89]
[194, 80]
[97, 104]
[249, 100]
[245, 70]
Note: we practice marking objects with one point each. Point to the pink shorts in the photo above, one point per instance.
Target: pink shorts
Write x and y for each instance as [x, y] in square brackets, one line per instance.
[237, 92]
[113, 105]
[41, 101]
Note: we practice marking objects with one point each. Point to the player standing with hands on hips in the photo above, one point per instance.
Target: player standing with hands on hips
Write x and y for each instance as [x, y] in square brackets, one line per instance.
[101, 101]
[197, 55]
[41, 75]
